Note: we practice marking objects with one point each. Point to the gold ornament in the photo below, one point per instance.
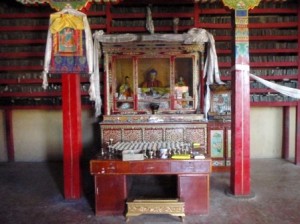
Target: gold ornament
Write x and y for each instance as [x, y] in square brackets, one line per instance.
[241, 4]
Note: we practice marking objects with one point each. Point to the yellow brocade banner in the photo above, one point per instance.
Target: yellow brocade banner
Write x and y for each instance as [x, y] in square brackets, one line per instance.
[60, 21]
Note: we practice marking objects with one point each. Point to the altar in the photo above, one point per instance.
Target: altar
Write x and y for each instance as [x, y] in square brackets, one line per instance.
[153, 93]
[112, 187]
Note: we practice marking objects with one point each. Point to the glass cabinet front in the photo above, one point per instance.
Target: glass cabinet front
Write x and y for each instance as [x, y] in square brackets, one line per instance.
[154, 85]
[123, 84]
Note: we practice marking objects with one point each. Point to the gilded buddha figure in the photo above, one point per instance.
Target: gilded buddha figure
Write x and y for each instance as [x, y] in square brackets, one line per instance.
[151, 80]
[125, 90]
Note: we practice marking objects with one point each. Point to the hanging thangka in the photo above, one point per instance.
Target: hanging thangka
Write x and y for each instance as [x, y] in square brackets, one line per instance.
[68, 50]
[69, 47]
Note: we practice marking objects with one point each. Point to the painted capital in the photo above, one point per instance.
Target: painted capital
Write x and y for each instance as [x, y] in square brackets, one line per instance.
[241, 4]
[60, 4]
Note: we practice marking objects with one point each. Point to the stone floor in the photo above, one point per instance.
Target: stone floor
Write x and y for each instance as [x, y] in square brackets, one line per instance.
[32, 193]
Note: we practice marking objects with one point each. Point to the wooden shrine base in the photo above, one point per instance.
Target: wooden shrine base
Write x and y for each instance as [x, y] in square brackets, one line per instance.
[155, 206]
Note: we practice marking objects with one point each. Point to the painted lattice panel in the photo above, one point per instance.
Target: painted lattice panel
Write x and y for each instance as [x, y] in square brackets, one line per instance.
[153, 134]
[114, 134]
[132, 135]
[196, 135]
[174, 134]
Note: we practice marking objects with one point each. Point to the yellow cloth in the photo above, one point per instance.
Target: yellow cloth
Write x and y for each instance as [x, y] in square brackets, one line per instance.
[159, 90]
[60, 21]
[181, 156]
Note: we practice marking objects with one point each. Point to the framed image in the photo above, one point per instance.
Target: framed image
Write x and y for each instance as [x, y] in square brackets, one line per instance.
[217, 143]
[221, 102]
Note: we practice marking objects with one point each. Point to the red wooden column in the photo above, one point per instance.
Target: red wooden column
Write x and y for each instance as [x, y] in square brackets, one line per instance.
[285, 133]
[297, 143]
[240, 163]
[72, 135]
[9, 135]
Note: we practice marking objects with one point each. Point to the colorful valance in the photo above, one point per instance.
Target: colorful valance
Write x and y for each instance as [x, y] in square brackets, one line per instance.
[60, 21]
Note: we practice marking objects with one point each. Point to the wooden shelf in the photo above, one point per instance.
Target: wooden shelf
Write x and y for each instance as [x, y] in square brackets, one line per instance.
[273, 25]
[223, 38]
[262, 90]
[274, 38]
[280, 77]
[36, 94]
[154, 15]
[273, 11]
[251, 25]
[138, 29]
[223, 11]
[107, 14]
[255, 11]
[40, 107]
[22, 68]
[98, 26]
[262, 51]
[23, 41]
[274, 50]
[215, 25]
[36, 81]
[35, 15]
[24, 28]
[270, 77]
[96, 13]
[273, 104]
[21, 54]
[274, 64]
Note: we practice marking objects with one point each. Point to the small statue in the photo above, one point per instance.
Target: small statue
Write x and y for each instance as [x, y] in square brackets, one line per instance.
[151, 80]
[125, 89]
[180, 82]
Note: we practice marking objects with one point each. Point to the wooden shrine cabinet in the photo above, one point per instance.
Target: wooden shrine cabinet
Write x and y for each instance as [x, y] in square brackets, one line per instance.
[152, 89]
[152, 78]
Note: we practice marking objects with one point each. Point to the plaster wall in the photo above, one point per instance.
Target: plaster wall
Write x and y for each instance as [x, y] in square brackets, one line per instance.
[38, 134]
[265, 132]
[3, 151]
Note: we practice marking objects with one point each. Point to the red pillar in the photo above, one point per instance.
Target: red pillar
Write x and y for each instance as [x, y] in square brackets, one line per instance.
[286, 133]
[240, 164]
[9, 136]
[72, 135]
[297, 140]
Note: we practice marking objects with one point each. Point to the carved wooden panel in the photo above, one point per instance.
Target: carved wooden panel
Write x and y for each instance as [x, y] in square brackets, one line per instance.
[196, 135]
[153, 134]
[115, 134]
[133, 134]
[174, 134]
[188, 132]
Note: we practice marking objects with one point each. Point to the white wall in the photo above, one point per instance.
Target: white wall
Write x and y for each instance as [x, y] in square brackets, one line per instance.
[38, 134]
[266, 132]
[3, 151]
